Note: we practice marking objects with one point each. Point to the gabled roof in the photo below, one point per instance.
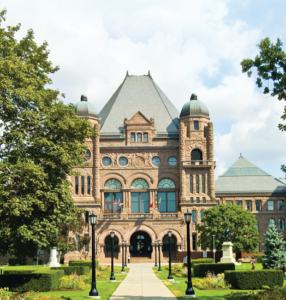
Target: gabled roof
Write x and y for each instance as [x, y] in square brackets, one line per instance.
[245, 177]
[138, 93]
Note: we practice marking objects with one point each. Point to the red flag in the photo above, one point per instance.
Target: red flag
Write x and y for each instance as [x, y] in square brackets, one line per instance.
[114, 203]
[151, 205]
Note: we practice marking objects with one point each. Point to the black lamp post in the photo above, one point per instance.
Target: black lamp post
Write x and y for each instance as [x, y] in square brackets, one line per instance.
[156, 254]
[112, 278]
[159, 246]
[122, 270]
[170, 271]
[125, 265]
[190, 293]
[93, 292]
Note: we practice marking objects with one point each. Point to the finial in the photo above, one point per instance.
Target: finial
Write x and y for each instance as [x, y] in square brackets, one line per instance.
[149, 74]
[127, 74]
[83, 98]
[194, 97]
[241, 155]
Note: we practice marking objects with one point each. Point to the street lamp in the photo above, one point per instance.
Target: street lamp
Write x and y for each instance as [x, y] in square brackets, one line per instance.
[93, 292]
[190, 293]
[156, 254]
[122, 270]
[214, 246]
[159, 246]
[170, 271]
[112, 278]
[125, 265]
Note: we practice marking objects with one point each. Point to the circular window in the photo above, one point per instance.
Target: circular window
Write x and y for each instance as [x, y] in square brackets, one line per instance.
[156, 161]
[87, 156]
[106, 161]
[123, 161]
[172, 161]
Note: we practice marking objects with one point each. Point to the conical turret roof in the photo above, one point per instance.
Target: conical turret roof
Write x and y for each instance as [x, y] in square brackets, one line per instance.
[138, 93]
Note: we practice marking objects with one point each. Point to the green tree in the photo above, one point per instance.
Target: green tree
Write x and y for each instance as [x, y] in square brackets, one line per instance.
[241, 223]
[274, 254]
[42, 141]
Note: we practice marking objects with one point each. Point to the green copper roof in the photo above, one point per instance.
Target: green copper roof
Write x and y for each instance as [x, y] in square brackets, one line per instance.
[245, 177]
[84, 108]
[194, 107]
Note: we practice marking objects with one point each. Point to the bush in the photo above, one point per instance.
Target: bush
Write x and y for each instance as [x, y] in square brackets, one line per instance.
[200, 261]
[18, 271]
[82, 263]
[267, 294]
[73, 282]
[211, 282]
[13, 261]
[258, 258]
[200, 270]
[41, 281]
[254, 279]
[72, 270]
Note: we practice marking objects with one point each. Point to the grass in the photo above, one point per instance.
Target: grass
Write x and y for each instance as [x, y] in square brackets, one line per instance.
[178, 289]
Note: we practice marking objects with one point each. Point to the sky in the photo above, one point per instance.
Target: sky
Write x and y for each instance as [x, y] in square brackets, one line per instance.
[188, 46]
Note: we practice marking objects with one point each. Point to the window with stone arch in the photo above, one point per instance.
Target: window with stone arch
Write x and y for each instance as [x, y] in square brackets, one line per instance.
[139, 199]
[281, 225]
[139, 184]
[196, 154]
[113, 196]
[166, 197]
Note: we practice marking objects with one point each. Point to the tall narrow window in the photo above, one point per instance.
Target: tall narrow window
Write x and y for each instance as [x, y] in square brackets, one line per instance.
[145, 137]
[139, 137]
[82, 185]
[192, 200]
[202, 215]
[248, 205]
[132, 137]
[194, 216]
[196, 125]
[256, 225]
[198, 199]
[197, 183]
[270, 204]
[281, 205]
[76, 185]
[258, 205]
[204, 199]
[194, 239]
[87, 217]
[86, 247]
[191, 184]
[88, 185]
[281, 225]
[217, 203]
[203, 184]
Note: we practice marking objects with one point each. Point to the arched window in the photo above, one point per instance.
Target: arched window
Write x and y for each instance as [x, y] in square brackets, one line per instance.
[194, 216]
[88, 185]
[281, 225]
[76, 185]
[271, 221]
[113, 184]
[202, 215]
[113, 200]
[203, 184]
[139, 184]
[108, 243]
[166, 199]
[82, 185]
[196, 154]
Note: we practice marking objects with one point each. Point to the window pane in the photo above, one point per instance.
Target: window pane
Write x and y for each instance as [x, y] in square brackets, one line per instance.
[192, 200]
[256, 225]
[108, 202]
[196, 125]
[281, 225]
[86, 248]
[202, 215]
[145, 137]
[171, 201]
[88, 184]
[156, 161]
[271, 221]
[203, 184]
[144, 202]
[194, 216]
[76, 185]
[162, 203]
[191, 183]
[258, 205]
[117, 197]
[217, 203]
[204, 199]
[132, 137]
[197, 183]
[228, 202]
[194, 240]
[172, 161]
[198, 199]
[280, 205]
[139, 137]
[82, 184]
[238, 202]
[248, 205]
[270, 204]
[134, 202]
[123, 161]
[106, 161]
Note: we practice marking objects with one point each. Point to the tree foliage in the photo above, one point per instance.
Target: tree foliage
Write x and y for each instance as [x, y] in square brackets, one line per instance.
[42, 140]
[274, 253]
[241, 223]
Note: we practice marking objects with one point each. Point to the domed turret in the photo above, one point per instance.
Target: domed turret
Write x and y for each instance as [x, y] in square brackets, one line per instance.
[194, 108]
[85, 108]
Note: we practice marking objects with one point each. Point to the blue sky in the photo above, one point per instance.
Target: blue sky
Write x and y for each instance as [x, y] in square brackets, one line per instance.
[189, 46]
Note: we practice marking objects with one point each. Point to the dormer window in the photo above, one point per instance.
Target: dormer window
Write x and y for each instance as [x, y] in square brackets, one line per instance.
[145, 137]
[132, 137]
[139, 137]
[196, 125]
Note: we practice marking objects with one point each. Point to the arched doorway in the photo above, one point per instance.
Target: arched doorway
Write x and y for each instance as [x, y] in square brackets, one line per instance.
[166, 246]
[140, 244]
[107, 243]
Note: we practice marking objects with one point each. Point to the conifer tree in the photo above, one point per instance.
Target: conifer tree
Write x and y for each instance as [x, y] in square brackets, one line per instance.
[275, 254]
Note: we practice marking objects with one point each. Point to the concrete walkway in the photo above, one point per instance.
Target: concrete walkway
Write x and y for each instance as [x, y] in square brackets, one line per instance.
[142, 284]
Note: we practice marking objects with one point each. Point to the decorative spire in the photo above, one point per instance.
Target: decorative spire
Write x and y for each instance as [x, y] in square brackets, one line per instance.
[83, 98]
[240, 155]
[194, 97]
[127, 74]
[149, 74]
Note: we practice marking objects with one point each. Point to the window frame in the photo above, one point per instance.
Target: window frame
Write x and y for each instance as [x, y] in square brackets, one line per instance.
[279, 205]
[125, 160]
[106, 158]
[139, 202]
[283, 222]
[76, 185]
[268, 206]
[191, 184]
[259, 205]
[196, 125]
[246, 204]
[88, 184]
[197, 184]
[236, 202]
[156, 165]
[82, 185]
[167, 201]
[113, 211]
[145, 137]
[132, 137]
[139, 140]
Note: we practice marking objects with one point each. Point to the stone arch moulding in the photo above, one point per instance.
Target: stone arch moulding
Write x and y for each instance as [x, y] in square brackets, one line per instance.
[112, 175]
[145, 228]
[196, 146]
[143, 175]
[174, 232]
[170, 175]
[105, 233]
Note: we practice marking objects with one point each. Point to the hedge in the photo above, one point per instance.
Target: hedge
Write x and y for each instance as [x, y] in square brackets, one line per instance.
[79, 270]
[82, 263]
[200, 261]
[258, 258]
[254, 279]
[18, 271]
[200, 270]
[13, 261]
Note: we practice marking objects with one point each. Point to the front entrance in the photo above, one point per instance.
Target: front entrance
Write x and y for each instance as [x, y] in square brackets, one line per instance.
[140, 244]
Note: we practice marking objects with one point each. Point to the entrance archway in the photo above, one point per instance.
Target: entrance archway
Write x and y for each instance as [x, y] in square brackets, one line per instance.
[140, 244]
[166, 246]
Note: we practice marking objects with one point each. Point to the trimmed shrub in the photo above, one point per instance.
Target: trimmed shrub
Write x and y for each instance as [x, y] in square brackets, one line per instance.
[13, 261]
[40, 281]
[71, 270]
[254, 279]
[200, 261]
[18, 271]
[82, 263]
[258, 258]
[200, 270]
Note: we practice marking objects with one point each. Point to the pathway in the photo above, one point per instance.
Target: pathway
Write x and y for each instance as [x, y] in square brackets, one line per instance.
[141, 283]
